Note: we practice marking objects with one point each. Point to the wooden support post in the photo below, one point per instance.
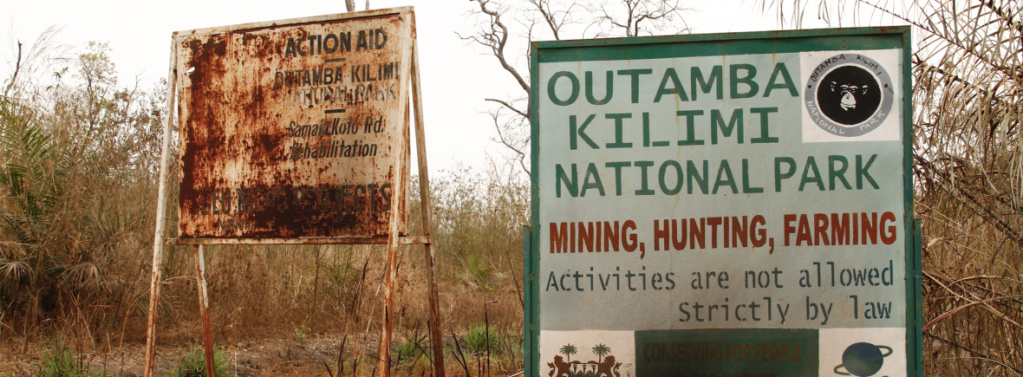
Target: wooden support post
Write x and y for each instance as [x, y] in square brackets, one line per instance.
[204, 310]
[161, 219]
[436, 339]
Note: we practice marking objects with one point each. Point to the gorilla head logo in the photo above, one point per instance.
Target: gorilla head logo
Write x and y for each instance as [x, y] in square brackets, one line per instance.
[851, 96]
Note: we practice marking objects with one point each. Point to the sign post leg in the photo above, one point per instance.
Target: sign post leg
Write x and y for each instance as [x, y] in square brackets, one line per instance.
[436, 340]
[396, 212]
[388, 322]
[161, 200]
[204, 310]
[154, 299]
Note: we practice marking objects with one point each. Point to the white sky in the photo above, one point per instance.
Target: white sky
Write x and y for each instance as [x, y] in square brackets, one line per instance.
[456, 76]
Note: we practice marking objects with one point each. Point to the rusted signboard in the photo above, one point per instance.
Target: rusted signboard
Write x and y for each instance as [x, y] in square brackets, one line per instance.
[296, 132]
[295, 129]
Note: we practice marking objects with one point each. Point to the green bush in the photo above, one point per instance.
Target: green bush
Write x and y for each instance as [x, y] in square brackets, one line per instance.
[59, 361]
[477, 338]
[192, 363]
[410, 349]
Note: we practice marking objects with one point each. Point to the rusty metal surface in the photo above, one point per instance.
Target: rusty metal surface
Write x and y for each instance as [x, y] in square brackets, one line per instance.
[393, 236]
[375, 240]
[292, 128]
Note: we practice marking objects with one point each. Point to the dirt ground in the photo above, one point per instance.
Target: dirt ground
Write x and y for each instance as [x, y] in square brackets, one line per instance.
[309, 355]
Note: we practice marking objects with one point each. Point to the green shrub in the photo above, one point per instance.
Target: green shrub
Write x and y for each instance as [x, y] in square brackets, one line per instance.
[59, 361]
[477, 338]
[410, 349]
[192, 363]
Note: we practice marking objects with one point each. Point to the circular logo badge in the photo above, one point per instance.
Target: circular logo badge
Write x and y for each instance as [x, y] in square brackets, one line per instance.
[848, 95]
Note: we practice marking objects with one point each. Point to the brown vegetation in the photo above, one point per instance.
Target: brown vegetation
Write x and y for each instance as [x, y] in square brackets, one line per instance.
[78, 187]
[968, 171]
[77, 196]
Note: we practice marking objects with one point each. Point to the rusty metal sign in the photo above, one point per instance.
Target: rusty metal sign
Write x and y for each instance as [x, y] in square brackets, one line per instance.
[294, 128]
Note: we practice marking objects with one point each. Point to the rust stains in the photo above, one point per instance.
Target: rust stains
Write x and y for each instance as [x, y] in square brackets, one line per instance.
[293, 131]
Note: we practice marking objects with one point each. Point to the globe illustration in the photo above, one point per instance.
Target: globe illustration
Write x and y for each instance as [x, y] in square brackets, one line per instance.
[862, 359]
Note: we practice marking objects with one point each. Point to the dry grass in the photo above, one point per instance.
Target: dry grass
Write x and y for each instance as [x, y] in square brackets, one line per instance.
[968, 169]
[78, 173]
[77, 192]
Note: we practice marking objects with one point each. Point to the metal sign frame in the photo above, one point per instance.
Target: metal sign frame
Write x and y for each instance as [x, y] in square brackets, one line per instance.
[579, 132]
[405, 72]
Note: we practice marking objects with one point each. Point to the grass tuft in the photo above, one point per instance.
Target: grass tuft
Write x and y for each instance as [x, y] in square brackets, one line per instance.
[192, 363]
[59, 361]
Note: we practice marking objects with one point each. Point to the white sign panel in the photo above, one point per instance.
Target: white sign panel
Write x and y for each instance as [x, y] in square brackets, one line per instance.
[722, 210]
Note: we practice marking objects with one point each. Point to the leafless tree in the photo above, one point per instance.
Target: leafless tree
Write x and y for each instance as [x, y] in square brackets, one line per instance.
[504, 29]
[968, 157]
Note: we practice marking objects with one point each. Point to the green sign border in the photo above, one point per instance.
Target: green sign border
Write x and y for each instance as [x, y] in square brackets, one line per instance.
[694, 45]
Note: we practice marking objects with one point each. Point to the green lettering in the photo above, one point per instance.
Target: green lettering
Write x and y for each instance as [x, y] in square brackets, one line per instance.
[644, 188]
[781, 71]
[646, 134]
[725, 178]
[811, 174]
[678, 177]
[618, 130]
[690, 127]
[575, 132]
[696, 175]
[634, 75]
[574, 81]
[570, 183]
[765, 135]
[617, 166]
[696, 79]
[746, 188]
[717, 122]
[863, 173]
[676, 86]
[747, 79]
[608, 89]
[779, 175]
[592, 180]
[836, 171]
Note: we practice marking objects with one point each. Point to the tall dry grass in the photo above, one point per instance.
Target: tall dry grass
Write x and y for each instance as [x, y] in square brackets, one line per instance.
[78, 167]
[78, 157]
[75, 189]
[967, 68]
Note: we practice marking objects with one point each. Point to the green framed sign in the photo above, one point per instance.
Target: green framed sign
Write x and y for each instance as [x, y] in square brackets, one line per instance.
[723, 205]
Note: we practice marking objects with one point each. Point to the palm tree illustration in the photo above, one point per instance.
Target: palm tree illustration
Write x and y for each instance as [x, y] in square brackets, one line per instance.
[569, 350]
[601, 350]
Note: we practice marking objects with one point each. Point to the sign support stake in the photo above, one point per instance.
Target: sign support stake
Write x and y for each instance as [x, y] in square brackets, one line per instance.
[436, 340]
[388, 322]
[161, 203]
[393, 237]
[204, 310]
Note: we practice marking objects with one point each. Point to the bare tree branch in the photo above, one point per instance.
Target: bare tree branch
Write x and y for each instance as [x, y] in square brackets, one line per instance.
[517, 147]
[555, 20]
[496, 38]
[550, 19]
[524, 114]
